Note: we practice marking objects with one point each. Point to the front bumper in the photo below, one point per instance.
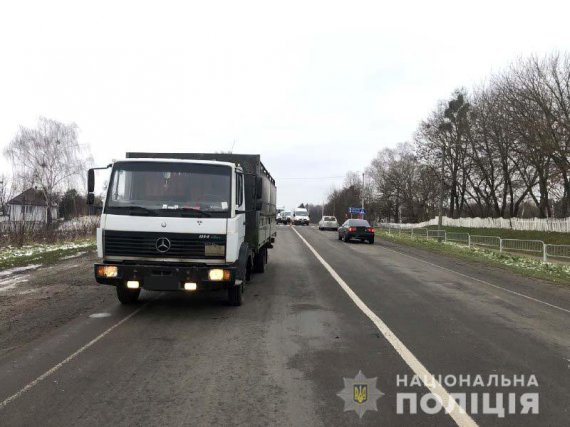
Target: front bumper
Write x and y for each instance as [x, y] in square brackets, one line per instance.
[301, 221]
[161, 277]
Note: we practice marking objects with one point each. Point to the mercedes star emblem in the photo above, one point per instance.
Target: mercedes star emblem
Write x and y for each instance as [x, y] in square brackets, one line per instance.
[162, 245]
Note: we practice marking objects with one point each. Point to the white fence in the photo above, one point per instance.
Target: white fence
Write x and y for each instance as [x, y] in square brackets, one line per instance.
[538, 248]
[561, 225]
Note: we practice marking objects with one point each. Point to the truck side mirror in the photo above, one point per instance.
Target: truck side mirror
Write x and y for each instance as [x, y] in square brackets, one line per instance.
[258, 204]
[90, 198]
[90, 181]
[258, 187]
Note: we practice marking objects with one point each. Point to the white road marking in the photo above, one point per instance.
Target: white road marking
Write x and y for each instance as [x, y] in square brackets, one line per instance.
[479, 280]
[460, 417]
[67, 360]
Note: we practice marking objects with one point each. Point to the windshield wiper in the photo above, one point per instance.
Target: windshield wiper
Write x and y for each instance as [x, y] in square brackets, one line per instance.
[184, 211]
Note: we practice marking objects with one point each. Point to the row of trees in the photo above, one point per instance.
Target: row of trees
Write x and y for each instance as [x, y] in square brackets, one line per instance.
[47, 157]
[500, 150]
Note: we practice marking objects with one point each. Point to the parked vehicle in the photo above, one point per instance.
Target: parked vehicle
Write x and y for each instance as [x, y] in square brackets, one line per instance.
[184, 222]
[300, 216]
[356, 229]
[328, 223]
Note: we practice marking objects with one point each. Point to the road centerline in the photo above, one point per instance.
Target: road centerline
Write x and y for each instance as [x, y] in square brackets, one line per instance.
[68, 359]
[460, 417]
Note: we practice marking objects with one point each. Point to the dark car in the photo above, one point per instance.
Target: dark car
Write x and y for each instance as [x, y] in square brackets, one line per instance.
[356, 229]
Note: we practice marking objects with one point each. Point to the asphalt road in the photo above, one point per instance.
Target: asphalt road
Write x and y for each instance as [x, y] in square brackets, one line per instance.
[323, 311]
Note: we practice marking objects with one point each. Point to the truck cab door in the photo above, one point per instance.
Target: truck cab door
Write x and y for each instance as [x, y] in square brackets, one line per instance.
[240, 206]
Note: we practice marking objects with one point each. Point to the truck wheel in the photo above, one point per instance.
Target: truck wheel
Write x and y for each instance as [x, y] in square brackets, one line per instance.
[346, 239]
[260, 261]
[126, 295]
[235, 295]
[339, 236]
[248, 270]
[371, 241]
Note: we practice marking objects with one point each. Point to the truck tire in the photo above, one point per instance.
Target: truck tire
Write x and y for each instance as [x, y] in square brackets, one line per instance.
[235, 295]
[126, 295]
[248, 270]
[260, 260]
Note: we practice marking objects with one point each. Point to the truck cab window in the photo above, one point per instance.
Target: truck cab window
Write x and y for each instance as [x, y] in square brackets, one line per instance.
[239, 189]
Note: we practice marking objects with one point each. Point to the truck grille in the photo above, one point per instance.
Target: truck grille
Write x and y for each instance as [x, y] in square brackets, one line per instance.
[161, 245]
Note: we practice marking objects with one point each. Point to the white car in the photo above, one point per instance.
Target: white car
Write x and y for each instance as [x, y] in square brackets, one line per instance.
[328, 223]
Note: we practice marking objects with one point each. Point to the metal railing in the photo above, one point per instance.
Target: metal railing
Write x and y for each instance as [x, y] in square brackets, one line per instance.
[561, 252]
[461, 238]
[436, 234]
[527, 247]
[485, 241]
[419, 232]
[535, 247]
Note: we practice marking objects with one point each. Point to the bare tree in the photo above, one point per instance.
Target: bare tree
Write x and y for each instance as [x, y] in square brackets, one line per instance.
[492, 153]
[48, 156]
[6, 193]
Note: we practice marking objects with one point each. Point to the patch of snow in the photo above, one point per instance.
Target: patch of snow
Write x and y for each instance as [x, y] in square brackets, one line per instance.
[11, 282]
[74, 255]
[14, 270]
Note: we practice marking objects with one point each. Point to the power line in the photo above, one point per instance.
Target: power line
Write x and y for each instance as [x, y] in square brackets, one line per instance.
[314, 177]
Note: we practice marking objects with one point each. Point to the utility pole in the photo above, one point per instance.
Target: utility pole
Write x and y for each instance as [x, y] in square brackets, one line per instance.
[362, 196]
[444, 127]
[441, 190]
[2, 198]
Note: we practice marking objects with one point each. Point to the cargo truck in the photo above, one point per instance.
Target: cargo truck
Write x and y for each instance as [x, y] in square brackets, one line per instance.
[184, 222]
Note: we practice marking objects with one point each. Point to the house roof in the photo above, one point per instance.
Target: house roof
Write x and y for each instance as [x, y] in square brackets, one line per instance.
[30, 197]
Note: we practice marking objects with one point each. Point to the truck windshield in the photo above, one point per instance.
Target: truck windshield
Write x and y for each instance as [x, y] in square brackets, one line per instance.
[169, 189]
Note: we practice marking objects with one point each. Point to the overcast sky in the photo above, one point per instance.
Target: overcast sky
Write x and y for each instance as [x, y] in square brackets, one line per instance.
[316, 88]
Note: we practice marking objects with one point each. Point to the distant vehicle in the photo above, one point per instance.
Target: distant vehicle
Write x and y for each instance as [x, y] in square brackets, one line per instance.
[356, 229]
[300, 216]
[285, 217]
[278, 214]
[328, 223]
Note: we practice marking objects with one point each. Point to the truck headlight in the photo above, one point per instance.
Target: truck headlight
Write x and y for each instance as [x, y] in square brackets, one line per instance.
[217, 275]
[109, 271]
